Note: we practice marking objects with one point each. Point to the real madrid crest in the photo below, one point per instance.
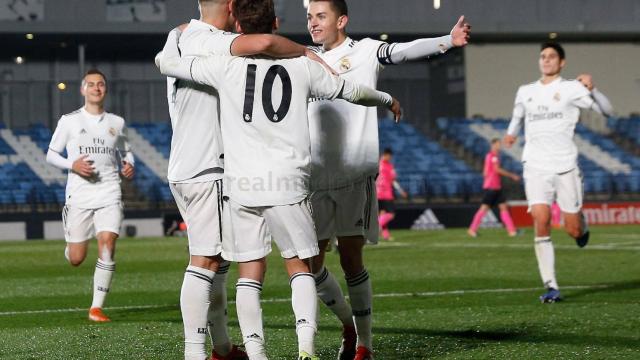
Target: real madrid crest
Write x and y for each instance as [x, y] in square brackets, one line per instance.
[556, 97]
[345, 64]
[112, 131]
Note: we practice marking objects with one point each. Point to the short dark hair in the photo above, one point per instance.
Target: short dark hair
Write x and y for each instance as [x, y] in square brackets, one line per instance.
[387, 151]
[255, 16]
[339, 6]
[95, 71]
[555, 46]
[495, 140]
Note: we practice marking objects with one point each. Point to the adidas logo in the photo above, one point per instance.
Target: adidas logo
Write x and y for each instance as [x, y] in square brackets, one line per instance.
[202, 331]
[301, 322]
[490, 221]
[83, 131]
[427, 221]
[254, 336]
[359, 223]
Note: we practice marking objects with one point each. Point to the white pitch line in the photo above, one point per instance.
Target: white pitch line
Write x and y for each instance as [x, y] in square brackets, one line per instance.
[607, 247]
[282, 300]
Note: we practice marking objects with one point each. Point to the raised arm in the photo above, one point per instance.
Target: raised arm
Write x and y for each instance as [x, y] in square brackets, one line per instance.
[398, 53]
[600, 103]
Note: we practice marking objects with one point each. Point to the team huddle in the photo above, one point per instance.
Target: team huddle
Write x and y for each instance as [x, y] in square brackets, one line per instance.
[277, 142]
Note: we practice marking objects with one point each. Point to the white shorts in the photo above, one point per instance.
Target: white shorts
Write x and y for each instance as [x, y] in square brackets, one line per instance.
[565, 188]
[252, 228]
[347, 211]
[82, 224]
[200, 205]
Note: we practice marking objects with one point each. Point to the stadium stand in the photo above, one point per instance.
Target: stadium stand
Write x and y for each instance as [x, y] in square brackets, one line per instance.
[424, 167]
[607, 167]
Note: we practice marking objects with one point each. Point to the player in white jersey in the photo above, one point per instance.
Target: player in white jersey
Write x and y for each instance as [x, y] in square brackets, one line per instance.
[267, 165]
[550, 109]
[196, 170]
[345, 153]
[96, 143]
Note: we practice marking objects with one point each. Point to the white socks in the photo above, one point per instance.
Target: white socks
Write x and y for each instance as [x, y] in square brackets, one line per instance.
[330, 293]
[361, 297]
[101, 281]
[194, 305]
[250, 317]
[218, 311]
[304, 301]
[546, 261]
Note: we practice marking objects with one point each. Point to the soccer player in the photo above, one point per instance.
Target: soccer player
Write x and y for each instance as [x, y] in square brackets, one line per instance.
[550, 108]
[96, 143]
[493, 194]
[385, 183]
[267, 164]
[196, 175]
[345, 157]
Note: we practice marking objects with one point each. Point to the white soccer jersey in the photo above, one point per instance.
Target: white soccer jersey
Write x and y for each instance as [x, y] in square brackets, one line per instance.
[196, 143]
[344, 136]
[264, 123]
[103, 138]
[550, 114]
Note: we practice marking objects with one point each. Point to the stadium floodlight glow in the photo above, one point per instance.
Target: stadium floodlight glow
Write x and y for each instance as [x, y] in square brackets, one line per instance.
[19, 60]
[553, 35]
[436, 4]
[62, 86]
[29, 36]
[305, 3]
[384, 37]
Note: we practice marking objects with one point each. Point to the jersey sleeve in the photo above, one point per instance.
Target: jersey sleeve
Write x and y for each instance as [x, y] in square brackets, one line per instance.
[218, 42]
[518, 114]
[420, 49]
[374, 52]
[580, 96]
[60, 137]
[123, 146]
[323, 85]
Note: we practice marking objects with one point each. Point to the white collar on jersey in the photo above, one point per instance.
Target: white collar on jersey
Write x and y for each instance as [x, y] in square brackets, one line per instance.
[560, 78]
[201, 24]
[344, 44]
[99, 117]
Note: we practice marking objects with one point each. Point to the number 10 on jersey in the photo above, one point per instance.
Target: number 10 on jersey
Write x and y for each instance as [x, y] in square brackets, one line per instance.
[267, 93]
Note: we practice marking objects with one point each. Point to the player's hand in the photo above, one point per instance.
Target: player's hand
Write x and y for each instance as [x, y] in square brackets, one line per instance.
[128, 170]
[515, 178]
[509, 140]
[396, 110]
[82, 167]
[586, 80]
[461, 33]
[313, 56]
[404, 194]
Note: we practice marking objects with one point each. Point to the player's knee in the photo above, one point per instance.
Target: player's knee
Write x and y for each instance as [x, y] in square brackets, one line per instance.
[76, 261]
[573, 230]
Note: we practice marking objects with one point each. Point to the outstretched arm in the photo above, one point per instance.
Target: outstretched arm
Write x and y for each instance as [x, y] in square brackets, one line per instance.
[366, 96]
[398, 53]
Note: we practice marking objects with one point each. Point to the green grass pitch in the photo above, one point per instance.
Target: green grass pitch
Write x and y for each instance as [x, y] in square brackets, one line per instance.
[438, 295]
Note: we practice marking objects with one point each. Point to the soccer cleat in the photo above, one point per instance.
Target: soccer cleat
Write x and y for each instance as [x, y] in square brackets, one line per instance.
[96, 314]
[552, 295]
[583, 240]
[234, 354]
[363, 354]
[305, 356]
[472, 233]
[349, 343]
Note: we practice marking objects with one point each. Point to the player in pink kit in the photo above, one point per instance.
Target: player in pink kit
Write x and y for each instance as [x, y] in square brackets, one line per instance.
[385, 184]
[493, 191]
